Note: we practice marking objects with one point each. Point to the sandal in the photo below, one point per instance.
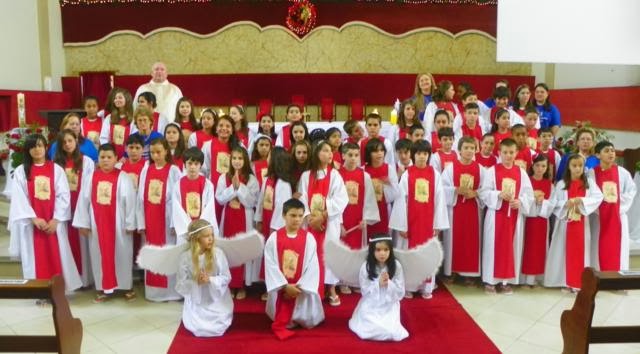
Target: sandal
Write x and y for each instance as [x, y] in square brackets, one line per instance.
[100, 298]
[490, 289]
[334, 300]
[506, 290]
[130, 295]
[427, 296]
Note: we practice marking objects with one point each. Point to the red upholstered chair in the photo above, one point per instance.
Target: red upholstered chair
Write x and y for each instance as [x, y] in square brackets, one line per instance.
[357, 109]
[327, 109]
[265, 105]
[238, 102]
[298, 100]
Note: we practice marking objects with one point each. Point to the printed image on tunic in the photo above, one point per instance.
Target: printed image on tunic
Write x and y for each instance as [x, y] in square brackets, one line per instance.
[532, 143]
[466, 181]
[422, 190]
[42, 188]
[234, 203]
[118, 134]
[610, 191]
[222, 162]
[317, 204]
[94, 137]
[103, 193]
[352, 191]
[72, 178]
[289, 263]
[573, 214]
[192, 200]
[378, 188]
[267, 201]
[509, 186]
[538, 193]
[155, 191]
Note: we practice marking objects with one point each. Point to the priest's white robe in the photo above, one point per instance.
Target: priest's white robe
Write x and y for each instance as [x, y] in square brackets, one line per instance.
[208, 308]
[167, 96]
[555, 266]
[85, 218]
[181, 218]
[377, 315]
[21, 228]
[308, 311]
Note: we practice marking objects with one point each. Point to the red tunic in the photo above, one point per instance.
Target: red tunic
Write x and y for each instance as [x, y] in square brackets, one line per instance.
[435, 142]
[363, 148]
[91, 129]
[154, 214]
[575, 245]
[505, 224]
[186, 127]
[403, 132]
[524, 158]
[104, 199]
[286, 137]
[319, 190]
[610, 237]
[118, 135]
[202, 137]
[551, 155]
[243, 137]
[486, 161]
[378, 175]
[220, 162]
[449, 107]
[536, 232]
[532, 139]
[498, 137]
[352, 215]
[446, 158]
[133, 170]
[475, 132]
[466, 232]
[189, 188]
[46, 252]
[260, 168]
[337, 159]
[74, 180]
[234, 221]
[420, 205]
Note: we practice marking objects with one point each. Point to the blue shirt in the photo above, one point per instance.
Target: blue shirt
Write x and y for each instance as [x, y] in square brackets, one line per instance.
[490, 102]
[591, 162]
[86, 148]
[548, 117]
[147, 142]
[427, 100]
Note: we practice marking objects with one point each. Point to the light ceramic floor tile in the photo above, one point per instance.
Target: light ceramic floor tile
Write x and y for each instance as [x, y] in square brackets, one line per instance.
[37, 326]
[522, 347]
[544, 335]
[103, 350]
[119, 328]
[16, 311]
[523, 306]
[501, 341]
[6, 331]
[627, 312]
[504, 323]
[148, 343]
[552, 317]
[90, 342]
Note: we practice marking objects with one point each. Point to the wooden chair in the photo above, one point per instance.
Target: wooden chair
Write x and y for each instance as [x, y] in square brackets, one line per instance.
[356, 109]
[327, 109]
[575, 324]
[68, 337]
[631, 157]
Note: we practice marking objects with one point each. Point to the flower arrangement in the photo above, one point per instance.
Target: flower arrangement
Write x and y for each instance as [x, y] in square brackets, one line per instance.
[567, 142]
[15, 140]
[301, 17]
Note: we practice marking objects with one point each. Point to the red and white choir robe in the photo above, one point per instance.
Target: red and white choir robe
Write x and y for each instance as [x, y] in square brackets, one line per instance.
[133, 170]
[462, 239]
[272, 196]
[284, 137]
[514, 118]
[292, 260]
[191, 200]
[486, 161]
[497, 138]
[198, 138]
[400, 168]
[260, 168]
[91, 129]
[569, 252]
[377, 315]
[237, 217]
[324, 192]
[430, 113]
[154, 204]
[217, 160]
[532, 139]
[160, 121]
[524, 158]
[385, 195]
[79, 245]
[536, 232]
[362, 206]
[246, 139]
[117, 134]
[440, 160]
[554, 161]
[433, 139]
[476, 132]
[106, 206]
[187, 129]
[389, 156]
[208, 308]
[337, 159]
[504, 227]
[419, 210]
[398, 133]
[45, 196]
[610, 225]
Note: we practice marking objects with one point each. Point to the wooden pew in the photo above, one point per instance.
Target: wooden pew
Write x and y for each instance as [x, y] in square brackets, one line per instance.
[68, 337]
[577, 332]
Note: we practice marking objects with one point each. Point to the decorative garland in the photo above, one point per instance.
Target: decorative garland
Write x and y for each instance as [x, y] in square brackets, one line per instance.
[102, 2]
[301, 17]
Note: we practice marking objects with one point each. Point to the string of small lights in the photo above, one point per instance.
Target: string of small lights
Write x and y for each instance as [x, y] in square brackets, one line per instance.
[104, 2]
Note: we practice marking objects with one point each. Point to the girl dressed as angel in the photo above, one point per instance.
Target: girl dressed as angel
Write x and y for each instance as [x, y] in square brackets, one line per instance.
[377, 316]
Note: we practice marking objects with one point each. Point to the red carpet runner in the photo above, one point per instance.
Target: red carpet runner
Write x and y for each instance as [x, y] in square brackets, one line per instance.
[439, 325]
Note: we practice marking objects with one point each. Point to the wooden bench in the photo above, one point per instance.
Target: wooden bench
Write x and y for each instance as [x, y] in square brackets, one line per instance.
[68, 337]
[577, 332]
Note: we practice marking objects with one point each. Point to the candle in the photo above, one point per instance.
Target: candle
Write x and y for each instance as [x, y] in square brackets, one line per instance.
[394, 117]
[22, 116]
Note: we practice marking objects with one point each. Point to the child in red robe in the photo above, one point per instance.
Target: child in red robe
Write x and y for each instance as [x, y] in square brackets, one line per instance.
[91, 124]
[485, 156]
[294, 114]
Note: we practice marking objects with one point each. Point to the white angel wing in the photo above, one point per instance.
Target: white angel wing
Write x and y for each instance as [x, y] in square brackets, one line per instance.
[242, 247]
[420, 263]
[163, 260]
[344, 262]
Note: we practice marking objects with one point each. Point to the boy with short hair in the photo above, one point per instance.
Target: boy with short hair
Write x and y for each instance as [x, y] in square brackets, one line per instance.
[194, 196]
[416, 132]
[545, 139]
[471, 126]
[501, 97]
[354, 131]
[440, 120]
[485, 156]
[91, 124]
[530, 120]
[524, 156]
[105, 214]
[373, 123]
[609, 226]
[292, 274]
[403, 156]
[446, 155]
[506, 191]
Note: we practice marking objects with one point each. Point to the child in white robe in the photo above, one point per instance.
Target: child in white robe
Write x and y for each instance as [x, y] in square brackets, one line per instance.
[377, 316]
[203, 279]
